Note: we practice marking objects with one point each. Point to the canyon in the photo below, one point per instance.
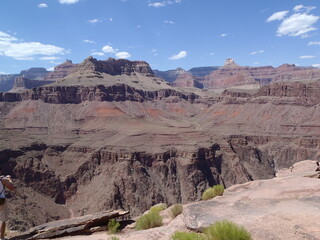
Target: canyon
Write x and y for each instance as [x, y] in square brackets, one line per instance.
[110, 134]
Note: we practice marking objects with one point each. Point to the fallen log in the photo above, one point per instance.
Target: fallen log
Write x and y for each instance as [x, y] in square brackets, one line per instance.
[72, 226]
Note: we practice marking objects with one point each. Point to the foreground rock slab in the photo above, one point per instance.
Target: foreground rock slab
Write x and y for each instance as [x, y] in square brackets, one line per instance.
[285, 207]
[80, 225]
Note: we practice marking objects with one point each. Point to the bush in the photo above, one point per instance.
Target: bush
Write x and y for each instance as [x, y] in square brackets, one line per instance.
[175, 210]
[113, 226]
[226, 230]
[187, 236]
[149, 220]
[113, 238]
[158, 208]
[210, 193]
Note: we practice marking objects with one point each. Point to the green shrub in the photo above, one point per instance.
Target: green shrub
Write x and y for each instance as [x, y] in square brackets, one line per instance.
[226, 230]
[187, 236]
[149, 220]
[158, 208]
[210, 193]
[219, 189]
[113, 238]
[113, 226]
[175, 210]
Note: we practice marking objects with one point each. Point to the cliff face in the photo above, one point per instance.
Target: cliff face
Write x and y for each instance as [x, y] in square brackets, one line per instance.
[7, 80]
[187, 80]
[170, 75]
[115, 67]
[22, 84]
[34, 73]
[61, 71]
[133, 141]
[233, 76]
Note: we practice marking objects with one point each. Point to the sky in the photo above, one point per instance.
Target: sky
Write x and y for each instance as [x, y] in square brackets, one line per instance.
[165, 33]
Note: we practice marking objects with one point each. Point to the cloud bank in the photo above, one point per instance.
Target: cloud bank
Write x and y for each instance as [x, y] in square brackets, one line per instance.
[298, 24]
[19, 50]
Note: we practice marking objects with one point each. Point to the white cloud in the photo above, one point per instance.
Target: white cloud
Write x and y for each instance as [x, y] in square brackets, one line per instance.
[277, 16]
[93, 21]
[97, 54]
[181, 54]
[111, 19]
[42, 5]
[168, 22]
[6, 37]
[108, 49]
[154, 52]
[157, 4]
[49, 58]
[163, 3]
[68, 1]
[313, 43]
[89, 41]
[301, 8]
[123, 55]
[257, 52]
[4, 73]
[297, 24]
[223, 35]
[317, 65]
[11, 47]
[303, 57]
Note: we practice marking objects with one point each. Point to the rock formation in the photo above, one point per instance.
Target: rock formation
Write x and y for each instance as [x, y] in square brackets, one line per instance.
[285, 207]
[111, 135]
[186, 80]
[202, 71]
[170, 75]
[233, 75]
[34, 73]
[60, 71]
[22, 84]
[11, 81]
[6, 81]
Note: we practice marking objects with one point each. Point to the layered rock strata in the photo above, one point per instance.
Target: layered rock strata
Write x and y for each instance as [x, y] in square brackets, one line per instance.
[133, 141]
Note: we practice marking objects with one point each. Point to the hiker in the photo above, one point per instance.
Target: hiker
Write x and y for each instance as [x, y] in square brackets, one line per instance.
[5, 182]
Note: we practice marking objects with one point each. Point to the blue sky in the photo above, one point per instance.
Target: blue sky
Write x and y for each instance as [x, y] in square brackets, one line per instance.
[165, 33]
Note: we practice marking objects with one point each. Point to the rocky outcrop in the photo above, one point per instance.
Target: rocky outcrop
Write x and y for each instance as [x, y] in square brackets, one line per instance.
[233, 75]
[34, 73]
[115, 67]
[67, 227]
[281, 208]
[186, 80]
[61, 71]
[23, 83]
[170, 75]
[202, 71]
[7, 80]
[265, 207]
[78, 94]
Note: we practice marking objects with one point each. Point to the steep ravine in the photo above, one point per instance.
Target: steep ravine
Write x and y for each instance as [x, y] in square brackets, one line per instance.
[132, 180]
